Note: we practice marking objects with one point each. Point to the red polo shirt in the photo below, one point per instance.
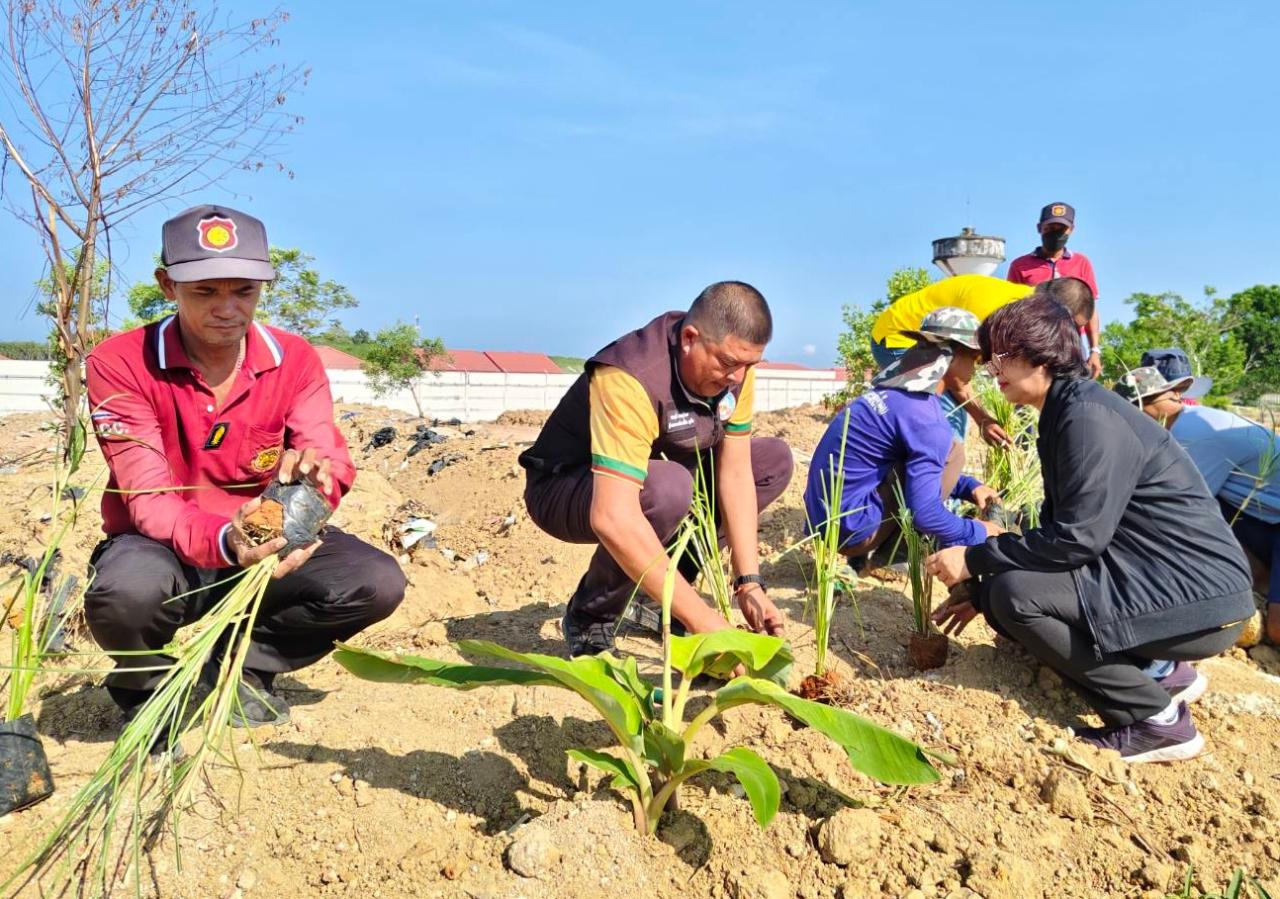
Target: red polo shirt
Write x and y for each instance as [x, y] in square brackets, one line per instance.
[1034, 268]
[159, 429]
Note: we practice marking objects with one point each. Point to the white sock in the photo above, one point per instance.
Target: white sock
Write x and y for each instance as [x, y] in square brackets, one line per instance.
[1167, 717]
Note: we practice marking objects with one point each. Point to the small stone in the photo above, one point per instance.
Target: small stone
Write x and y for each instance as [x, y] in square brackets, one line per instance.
[247, 880]
[849, 836]
[1067, 796]
[1156, 874]
[364, 794]
[329, 875]
[758, 884]
[533, 853]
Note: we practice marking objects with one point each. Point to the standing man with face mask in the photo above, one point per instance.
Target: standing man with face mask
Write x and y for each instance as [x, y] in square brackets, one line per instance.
[1052, 259]
[615, 462]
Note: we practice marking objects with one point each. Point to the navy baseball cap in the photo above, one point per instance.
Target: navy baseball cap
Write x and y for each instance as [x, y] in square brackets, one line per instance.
[1059, 213]
[206, 242]
[1175, 366]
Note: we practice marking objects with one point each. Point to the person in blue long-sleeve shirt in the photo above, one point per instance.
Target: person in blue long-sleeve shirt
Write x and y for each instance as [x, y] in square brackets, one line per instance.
[897, 432]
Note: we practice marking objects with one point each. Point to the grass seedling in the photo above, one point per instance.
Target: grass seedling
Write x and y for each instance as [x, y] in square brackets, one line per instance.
[919, 547]
[831, 571]
[1012, 471]
[36, 621]
[122, 810]
[648, 723]
[705, 542]
[1237, 888]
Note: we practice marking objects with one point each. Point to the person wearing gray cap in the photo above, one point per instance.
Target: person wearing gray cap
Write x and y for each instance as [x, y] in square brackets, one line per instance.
[196, 414]
[1238, 458]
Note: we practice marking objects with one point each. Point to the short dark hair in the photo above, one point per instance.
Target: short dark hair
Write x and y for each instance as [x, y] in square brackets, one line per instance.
[1073, 293]
[732, 307]
[1037, 329]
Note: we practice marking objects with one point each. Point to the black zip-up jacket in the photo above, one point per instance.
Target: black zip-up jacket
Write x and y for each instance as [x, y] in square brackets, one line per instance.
[1127, 513]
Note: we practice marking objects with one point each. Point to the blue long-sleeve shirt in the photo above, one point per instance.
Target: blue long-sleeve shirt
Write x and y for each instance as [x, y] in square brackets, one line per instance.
[1229, 450]
[889, 428]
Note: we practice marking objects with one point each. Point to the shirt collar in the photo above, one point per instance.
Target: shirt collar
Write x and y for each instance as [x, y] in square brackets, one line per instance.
[263, 351]
[1038, 252]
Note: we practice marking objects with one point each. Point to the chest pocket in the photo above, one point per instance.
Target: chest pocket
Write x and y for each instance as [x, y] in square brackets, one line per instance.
[685, 432]
[259, 453]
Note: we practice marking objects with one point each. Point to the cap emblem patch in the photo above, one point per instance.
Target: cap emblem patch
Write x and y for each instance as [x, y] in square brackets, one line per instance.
[1059, 210]
[217, 234]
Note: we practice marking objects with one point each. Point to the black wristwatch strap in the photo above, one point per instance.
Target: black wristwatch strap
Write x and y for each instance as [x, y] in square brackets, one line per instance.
[744, 579]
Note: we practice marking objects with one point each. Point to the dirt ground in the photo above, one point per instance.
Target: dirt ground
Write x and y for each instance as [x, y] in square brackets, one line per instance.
[391, 791]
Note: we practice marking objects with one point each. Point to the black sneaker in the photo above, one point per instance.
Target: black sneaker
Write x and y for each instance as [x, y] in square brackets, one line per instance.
[586, 637]
[1146, 741]
[644, 615]
[255, 704]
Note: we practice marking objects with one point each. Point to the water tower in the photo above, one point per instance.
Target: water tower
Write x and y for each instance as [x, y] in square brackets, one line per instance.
[968, 253]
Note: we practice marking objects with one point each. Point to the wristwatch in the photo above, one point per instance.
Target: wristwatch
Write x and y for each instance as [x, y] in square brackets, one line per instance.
[743, 579]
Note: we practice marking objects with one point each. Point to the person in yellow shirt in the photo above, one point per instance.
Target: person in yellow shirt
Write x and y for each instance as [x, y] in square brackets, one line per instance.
[615, 464]
[981, 295]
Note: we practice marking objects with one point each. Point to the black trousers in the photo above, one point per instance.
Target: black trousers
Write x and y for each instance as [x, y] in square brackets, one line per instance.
[130, 605]
[560, 504]
[1042, 611]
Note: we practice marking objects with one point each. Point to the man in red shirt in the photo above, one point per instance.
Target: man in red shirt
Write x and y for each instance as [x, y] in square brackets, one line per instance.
[1052, 259]
[195, 415]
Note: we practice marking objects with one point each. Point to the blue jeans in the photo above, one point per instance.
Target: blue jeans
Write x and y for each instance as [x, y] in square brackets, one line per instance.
[885, 356]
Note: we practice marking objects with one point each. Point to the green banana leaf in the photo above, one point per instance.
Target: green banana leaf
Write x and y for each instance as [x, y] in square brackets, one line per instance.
[626, 673]
[394, 668]
[876, 752]
[757, 779]
[719, 652]
[624, 776]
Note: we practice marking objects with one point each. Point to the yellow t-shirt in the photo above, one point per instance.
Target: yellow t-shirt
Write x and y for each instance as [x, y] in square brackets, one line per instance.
[979, 294]
[624, 425]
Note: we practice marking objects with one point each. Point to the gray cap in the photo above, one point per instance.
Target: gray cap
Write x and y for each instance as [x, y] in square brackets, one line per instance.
[206, 242]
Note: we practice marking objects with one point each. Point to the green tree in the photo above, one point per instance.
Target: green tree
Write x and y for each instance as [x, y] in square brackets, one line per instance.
[1256, 312]
[298, 300]
[1204, 331]
[854, 344]
[397, 359]
[147, 304]
[361, 336]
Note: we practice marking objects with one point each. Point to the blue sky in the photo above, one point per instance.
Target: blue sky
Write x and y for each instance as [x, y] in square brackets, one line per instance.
[547, 176]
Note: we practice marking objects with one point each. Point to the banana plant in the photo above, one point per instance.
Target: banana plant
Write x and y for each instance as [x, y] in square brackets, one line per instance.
[648, 721]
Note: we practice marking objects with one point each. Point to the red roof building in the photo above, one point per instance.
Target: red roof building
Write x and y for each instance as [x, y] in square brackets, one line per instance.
[332, 358]
[524, 363]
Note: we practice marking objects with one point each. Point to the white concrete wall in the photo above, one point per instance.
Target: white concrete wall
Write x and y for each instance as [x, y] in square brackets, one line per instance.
[469, 396]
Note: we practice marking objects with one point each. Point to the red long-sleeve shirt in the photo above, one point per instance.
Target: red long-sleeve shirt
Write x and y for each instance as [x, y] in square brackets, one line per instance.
[160, 430]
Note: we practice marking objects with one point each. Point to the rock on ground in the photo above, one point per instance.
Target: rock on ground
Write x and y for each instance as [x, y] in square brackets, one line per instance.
[533, 854]
[849, 836]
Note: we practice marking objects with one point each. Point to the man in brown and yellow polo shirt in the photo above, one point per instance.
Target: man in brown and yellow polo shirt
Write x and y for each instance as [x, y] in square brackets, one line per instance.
[614, 464]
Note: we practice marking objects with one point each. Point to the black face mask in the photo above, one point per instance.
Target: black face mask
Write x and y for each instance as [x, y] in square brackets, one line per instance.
[1053, 241]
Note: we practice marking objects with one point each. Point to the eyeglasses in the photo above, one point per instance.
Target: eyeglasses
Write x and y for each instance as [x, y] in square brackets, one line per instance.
[996, 362]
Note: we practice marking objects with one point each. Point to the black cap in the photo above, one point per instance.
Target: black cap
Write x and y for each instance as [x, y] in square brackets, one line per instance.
[1059, 213]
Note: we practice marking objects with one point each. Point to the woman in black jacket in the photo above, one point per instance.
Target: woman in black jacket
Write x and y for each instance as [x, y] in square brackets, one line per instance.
[1132, 574]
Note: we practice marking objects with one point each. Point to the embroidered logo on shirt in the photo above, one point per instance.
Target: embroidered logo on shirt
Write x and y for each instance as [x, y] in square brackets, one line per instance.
[266, 459]
[726, 407]
[217, 435]
[677, 420]
[217, 234]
